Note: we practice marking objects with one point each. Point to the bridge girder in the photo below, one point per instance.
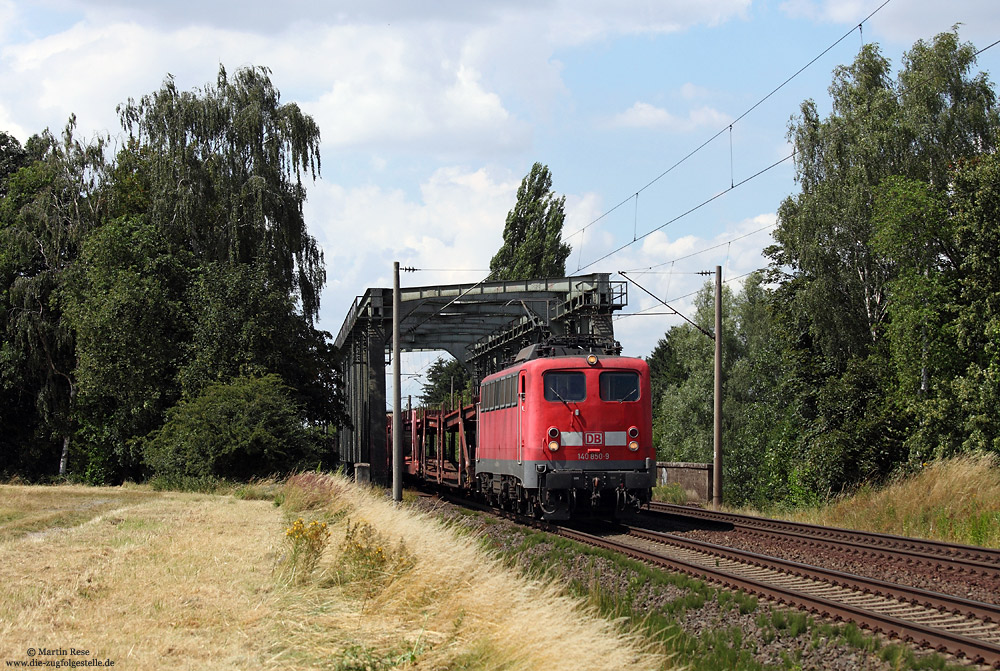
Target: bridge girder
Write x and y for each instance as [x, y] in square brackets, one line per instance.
[482, 325]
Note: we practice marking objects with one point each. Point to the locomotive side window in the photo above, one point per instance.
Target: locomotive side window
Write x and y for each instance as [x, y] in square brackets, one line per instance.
[565, 386]
[619, 386]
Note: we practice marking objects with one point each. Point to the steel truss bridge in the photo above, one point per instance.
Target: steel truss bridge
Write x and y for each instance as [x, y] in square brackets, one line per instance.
[482, 325]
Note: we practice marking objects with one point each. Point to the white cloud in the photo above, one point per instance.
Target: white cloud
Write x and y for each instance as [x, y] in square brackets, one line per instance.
[580, 21]
[565, 21]
[668, 268]
[9, 126]
[8, 18]
[690, 91]
[905, 23]
[644, 115]
[453, 227]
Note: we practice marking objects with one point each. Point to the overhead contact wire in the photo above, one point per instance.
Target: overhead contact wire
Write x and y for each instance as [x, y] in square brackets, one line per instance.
[737, 120]
[693, 209]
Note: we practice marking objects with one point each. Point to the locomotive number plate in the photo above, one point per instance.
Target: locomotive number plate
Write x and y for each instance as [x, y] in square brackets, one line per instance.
[593, 456]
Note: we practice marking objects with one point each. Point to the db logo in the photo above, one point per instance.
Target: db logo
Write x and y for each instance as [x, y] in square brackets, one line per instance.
[593, 438]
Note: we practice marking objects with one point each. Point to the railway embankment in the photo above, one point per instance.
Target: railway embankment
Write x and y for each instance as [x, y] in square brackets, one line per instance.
[709, 628]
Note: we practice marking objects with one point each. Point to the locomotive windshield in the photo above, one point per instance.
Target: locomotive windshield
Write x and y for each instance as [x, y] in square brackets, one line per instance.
[619, 386]
[565, 386]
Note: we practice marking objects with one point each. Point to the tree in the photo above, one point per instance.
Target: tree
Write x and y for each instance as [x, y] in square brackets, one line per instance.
[445, 378]
[946, 307]
[12, 158]
[249, 427]
[224, 167]
[50, 205]
[128, 286]
[532, 236]
[125, 304]
[859, 281]
[684, 418]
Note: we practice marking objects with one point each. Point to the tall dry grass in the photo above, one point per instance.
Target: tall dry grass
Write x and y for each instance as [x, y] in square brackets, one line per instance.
[182, 580]
[955, 500]
[450, 606]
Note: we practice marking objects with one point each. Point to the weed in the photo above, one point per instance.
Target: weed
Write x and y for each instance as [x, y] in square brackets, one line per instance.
[670, 493]
[368, 562]
[258, 490]
[306, 543]
[361, 658]
[740, 600]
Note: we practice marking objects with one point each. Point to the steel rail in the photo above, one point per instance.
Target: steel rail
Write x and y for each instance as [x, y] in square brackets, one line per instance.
[978, 609]
[909, 556]
[978, 558]
[941, 640]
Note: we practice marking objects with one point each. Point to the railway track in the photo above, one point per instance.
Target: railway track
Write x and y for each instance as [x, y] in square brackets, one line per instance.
[966, 558]
[927, 619]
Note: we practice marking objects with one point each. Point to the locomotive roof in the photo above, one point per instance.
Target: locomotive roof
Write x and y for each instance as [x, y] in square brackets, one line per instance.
[560, 361]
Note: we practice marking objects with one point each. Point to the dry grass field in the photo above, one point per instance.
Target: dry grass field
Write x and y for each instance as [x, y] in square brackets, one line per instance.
[146, 580]
[152, 580]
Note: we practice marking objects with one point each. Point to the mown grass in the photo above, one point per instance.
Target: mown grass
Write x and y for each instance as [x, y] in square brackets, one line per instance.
[144, 579]
[956, 500]
[36, 509]
[333, 577]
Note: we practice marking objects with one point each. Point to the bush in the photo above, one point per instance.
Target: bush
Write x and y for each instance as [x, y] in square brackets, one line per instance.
[246, 428]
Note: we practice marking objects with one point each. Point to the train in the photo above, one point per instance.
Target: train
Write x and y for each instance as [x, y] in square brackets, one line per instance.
[558, 434]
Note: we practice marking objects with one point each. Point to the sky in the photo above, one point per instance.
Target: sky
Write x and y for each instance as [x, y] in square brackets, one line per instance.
[431, 113]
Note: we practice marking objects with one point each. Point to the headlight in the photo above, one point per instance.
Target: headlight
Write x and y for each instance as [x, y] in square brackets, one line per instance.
[633, 445]
[633, 432]
[553, 439]
[592, 360]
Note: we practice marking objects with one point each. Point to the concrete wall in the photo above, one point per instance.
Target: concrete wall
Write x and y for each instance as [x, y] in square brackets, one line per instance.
[696, 479]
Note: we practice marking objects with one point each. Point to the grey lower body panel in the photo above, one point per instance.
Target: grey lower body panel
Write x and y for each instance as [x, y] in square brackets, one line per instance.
[576, 475]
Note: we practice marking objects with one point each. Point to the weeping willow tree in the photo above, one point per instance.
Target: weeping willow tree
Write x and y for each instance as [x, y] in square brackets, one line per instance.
[51, 201]
[222, 169]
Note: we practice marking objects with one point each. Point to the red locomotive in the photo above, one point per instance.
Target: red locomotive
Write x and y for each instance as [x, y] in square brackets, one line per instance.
[554, 435]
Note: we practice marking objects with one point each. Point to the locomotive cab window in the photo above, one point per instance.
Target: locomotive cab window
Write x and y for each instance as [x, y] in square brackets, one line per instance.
[619, 386]
[565, 386]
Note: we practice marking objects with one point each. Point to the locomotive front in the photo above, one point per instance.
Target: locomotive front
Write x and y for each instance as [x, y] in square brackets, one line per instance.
[578, 437]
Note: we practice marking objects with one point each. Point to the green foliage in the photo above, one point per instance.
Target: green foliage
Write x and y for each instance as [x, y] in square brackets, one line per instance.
[247, 428]
[50, 204]
[670, 493]
[12, 158]
[128, 282]
[532, 236]
[872, 279]
[127, 286]
[683, 420]
[446, 379]
[224, 167]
